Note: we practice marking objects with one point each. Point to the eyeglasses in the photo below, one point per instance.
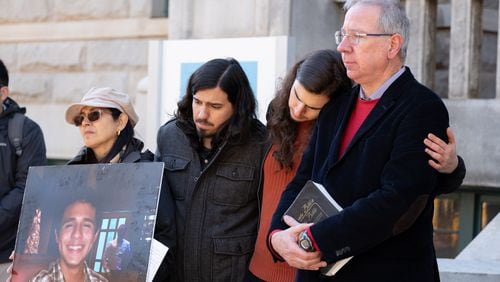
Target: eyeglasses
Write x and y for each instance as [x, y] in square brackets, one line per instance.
[92, 116]
[354, 37]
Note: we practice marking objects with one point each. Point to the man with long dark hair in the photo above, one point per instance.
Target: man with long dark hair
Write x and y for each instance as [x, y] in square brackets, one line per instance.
[213, 152]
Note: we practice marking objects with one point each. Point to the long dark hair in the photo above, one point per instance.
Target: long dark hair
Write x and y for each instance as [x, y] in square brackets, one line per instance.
[125, 137]
[4, 75]
[230, 77]
[321, 72]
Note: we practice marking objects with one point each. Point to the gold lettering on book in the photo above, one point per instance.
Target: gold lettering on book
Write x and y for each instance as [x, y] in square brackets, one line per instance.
[311, 212]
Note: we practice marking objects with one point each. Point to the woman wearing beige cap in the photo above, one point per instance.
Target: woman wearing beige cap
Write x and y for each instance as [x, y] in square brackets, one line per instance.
[106, 120]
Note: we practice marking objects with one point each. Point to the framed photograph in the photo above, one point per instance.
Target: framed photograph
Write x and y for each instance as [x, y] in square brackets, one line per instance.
[87, 222]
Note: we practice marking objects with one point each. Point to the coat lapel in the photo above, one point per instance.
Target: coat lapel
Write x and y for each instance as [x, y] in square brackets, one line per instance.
[339, 126]
[387, 101]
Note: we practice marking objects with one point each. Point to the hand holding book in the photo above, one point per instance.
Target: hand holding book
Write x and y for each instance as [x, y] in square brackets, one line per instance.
[312, 205]
[284, 242]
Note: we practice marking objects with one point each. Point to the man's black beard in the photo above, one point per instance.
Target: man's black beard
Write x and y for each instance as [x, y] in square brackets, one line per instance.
[217, 136]
[202, 134]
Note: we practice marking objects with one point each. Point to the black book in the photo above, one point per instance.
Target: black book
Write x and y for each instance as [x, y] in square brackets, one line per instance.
[312, 205]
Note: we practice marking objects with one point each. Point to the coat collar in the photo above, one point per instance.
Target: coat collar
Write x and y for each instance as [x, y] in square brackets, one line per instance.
[11, 107]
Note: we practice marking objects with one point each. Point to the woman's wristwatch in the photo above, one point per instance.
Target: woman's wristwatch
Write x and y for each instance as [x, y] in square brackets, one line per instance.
[305, 242]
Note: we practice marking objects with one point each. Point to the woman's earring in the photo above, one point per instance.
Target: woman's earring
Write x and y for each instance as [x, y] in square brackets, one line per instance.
[118, 132]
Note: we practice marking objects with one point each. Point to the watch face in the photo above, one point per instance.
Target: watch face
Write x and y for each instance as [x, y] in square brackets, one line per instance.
[304, 243]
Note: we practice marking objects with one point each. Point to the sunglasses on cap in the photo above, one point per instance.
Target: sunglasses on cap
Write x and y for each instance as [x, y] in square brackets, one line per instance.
[92, 116]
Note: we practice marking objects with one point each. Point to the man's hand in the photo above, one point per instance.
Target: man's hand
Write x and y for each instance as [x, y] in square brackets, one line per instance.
[285, 244]
[444, 156]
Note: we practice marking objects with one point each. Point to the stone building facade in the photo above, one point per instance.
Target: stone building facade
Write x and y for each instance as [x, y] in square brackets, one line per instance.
[56, 50]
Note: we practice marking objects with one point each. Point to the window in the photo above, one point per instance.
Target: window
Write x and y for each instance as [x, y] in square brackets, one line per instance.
[446, 225]
[109, 225]
[159, 9]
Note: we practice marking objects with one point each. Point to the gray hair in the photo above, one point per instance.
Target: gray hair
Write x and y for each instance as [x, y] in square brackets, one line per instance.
[393, 19]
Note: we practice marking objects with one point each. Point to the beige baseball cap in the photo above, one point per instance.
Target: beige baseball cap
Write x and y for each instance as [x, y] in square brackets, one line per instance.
[103, 97]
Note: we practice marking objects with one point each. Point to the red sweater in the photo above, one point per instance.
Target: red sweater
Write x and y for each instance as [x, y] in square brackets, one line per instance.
[361, 110]
[276, 179]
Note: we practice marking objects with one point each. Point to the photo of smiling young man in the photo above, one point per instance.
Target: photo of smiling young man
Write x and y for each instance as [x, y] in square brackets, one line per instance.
[75, 237]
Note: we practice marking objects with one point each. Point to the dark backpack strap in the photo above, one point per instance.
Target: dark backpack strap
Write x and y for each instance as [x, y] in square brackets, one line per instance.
[15, 132]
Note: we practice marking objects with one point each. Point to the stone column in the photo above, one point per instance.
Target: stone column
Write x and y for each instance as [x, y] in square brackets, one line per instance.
[180, 18]
[465, 45]
[421, 50]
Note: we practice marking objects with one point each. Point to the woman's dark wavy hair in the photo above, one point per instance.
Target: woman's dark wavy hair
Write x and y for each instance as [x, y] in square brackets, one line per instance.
[125, 137]
[321, 72]
[228, 75]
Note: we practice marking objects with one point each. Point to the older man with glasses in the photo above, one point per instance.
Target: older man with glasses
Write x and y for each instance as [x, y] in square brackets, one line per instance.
[373, 162]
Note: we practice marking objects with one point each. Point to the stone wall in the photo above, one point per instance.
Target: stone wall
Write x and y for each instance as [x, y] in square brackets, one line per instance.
[59, 72]
[48, 74]
[474, 124]
[24, 11]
